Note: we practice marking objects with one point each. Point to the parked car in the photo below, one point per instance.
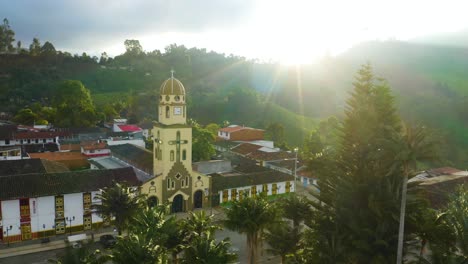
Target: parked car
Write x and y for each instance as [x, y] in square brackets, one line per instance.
[107, 240]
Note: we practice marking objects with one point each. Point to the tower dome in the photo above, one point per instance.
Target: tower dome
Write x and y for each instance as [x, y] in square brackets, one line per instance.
[172, 86]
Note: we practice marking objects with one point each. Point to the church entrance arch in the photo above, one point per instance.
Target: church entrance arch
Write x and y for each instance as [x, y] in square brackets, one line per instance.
[198, 199]
[178, 204]
[152, 201]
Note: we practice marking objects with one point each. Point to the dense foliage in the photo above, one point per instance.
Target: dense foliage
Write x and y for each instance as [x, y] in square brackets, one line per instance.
[232, 88]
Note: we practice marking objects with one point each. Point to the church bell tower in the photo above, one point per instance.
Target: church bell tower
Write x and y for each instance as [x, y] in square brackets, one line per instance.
[172, 153]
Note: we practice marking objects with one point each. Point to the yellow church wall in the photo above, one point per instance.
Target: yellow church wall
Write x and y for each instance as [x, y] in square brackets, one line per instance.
[163, 165]
[151, 189]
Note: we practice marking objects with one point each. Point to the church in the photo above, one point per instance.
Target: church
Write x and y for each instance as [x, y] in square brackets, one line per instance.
[174, 180]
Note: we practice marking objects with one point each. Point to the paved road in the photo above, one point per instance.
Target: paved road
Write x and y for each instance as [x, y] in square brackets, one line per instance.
[238, 242]
[34, 258]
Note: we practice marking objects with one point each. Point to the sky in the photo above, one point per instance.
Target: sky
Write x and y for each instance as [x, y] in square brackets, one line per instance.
[289, 31]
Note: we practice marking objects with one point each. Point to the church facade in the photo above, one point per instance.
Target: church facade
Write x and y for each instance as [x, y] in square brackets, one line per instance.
[174, 180]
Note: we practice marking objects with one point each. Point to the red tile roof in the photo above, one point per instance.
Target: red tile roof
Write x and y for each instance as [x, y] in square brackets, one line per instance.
[70, 147]
[95, 146]
[57, 155]
[129, 128]
[246, 148]
[231, 129]
[444, 171]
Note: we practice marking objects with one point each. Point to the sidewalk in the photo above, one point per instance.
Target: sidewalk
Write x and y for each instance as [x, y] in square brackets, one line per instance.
[34, 246]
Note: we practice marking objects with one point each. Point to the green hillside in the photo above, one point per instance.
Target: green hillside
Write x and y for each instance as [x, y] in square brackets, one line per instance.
[430, 84]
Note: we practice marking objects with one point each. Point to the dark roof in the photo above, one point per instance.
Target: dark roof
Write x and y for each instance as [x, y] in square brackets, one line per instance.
[33, 148]
[39, 135]
[146, 124]
[46, 184]
[157, 124]
[246, 176]
[25, 166]
[136, 156]
[287, 164]
[246, 148]
[7, 131]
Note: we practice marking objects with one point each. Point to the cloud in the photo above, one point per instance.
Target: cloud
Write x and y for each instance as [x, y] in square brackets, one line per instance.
[91, 25]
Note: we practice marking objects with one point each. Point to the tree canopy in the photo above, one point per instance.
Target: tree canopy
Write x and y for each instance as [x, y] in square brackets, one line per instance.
[74, 105]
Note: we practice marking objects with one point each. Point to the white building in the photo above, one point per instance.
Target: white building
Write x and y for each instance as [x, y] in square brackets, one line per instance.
[38, 205]
[11, 153]
[95, 150]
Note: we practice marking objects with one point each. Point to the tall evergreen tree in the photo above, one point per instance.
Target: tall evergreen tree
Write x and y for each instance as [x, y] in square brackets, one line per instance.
[359, 194]
[7, 37]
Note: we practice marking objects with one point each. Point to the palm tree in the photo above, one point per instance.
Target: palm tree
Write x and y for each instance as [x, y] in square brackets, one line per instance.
[283, 239]
[207, 251]
[413, 145]
[138, 248]
[200, 224]
[295, 208]
[118, 201]
[457, 218]
[250, 216]
[158, 231]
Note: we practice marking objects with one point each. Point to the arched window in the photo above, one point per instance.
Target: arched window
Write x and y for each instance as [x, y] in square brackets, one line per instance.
[184, 154]
[167, 111]
[172, 155]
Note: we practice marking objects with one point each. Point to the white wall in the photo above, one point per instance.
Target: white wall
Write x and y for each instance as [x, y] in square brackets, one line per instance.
[225, 135]
[44, 215]
[11, 216]
[281, 188]
[96, 152]
[95, 218]
[14, 142]
[74, 207]
[136, 142]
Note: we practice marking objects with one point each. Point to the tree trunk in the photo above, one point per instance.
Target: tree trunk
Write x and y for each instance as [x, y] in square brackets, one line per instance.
[283, 259]
[423, 246]
[401, 229]
[175, 259]
[252, 247]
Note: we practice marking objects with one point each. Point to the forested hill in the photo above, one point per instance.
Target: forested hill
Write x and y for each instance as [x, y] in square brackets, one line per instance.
[430, 84]
[219, 87]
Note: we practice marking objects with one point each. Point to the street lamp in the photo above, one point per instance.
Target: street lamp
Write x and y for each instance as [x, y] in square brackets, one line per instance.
[70, 219]
[8, 229]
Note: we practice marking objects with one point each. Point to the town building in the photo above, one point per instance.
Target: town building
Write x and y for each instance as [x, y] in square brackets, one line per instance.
[12, 153]
[177, 181]
[94, 149]
[40, 198]
[73, 160]
[230, 183]
[240, 133]
[174, 180]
